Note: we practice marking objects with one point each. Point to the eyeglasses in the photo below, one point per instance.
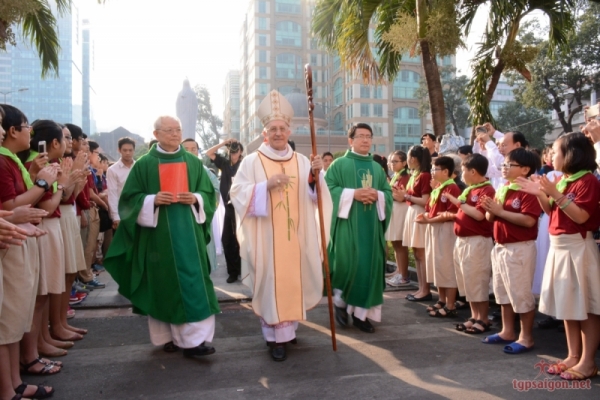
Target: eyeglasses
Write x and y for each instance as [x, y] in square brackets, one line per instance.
[395, 161]
[69, 138]
[23, 127]
[363, 137]
[171, 131]
[274, 130]
[509, 165]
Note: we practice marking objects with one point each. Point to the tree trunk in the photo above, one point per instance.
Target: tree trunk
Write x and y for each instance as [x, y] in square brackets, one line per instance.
[557, 106]
[434, 86]
[494, 81]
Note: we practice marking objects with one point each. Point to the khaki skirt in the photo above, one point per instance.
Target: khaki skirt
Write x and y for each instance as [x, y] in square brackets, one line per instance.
[20, 275]
[414, 234]
[74, 258]
[396, 227]
[52, 258]
[571, 282]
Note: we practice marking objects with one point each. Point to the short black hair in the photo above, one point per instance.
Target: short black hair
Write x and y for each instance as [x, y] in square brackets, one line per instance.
[125, 140]
[578, 152]
[93, 145]
[477, 162]
[292, 144]
[190, 140]
[422, 154]
[152, 142]
[360, 125]
[525, 158]
[465, 150]
[518, 137]
[381, 160]
[43, 130]
[76, 132]
[327, 153]
[12, 117]
[102, 157]
[430, 135]
[446, 163]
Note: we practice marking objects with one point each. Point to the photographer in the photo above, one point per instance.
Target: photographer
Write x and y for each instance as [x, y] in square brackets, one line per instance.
[229, 167]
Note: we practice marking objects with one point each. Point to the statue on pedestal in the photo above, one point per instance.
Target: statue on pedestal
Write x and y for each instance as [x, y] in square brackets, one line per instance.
[187, 110]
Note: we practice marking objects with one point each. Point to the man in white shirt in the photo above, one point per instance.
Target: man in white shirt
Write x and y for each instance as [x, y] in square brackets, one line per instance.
[117, 175]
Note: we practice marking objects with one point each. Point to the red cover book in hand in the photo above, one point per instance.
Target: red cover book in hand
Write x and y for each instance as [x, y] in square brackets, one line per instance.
[173, 178]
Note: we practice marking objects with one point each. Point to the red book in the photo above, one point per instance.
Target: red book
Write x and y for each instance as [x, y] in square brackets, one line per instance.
[173, 178]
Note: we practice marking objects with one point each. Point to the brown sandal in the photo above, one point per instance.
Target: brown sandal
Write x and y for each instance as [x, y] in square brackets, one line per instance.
[47, 370]
[463, 325]
[437, 306]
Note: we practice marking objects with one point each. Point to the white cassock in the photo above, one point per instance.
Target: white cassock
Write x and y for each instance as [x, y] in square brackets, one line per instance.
[284, 286]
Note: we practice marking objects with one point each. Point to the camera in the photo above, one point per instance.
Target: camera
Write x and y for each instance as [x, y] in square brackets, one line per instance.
[233, 147]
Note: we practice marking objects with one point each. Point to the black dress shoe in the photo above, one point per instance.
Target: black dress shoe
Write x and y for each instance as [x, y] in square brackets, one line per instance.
[428, 297]
[198, 351]
[341, 316]
[170, 347]
[278, 352]
[364, 326]
[231, 279]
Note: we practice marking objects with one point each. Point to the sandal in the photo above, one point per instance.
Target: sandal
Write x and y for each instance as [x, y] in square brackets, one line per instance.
[47, 370]
[444, 312]
[463, 327]
[40, 393]
[572, 375]
[436, 306]
[474, 330]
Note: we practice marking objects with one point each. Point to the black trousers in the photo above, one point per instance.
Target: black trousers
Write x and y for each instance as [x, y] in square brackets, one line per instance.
[231, 247]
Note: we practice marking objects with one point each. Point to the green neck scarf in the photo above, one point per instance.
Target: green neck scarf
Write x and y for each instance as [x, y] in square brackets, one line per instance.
[503, 191]
[435, 193]
[24, 173]
[465, 193]
[413, 177]
[396, 176]
[562, 184]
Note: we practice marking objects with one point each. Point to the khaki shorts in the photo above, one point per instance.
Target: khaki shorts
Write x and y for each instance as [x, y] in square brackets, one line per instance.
[473, 266]
[439, 254]
[513, 266]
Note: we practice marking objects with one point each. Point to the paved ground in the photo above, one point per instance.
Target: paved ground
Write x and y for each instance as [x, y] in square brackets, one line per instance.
[410, 355]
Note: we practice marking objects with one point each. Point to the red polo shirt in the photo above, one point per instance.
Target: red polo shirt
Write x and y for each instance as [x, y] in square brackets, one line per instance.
[443, 204]
[466, 226]
[421, 187]
[520, 203]
[585, 192]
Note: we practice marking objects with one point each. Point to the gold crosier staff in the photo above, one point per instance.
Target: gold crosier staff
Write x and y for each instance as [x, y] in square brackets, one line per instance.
[313, 139]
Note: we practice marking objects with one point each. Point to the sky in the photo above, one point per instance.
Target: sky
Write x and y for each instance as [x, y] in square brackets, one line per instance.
[144, 49]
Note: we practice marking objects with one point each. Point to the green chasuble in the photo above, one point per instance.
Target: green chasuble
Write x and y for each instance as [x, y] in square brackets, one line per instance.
[357, 250]
[164, 271]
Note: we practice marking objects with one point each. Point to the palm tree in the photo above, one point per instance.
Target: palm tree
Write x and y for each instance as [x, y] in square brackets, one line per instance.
[501, 51]
[342, 26]
[38, 26]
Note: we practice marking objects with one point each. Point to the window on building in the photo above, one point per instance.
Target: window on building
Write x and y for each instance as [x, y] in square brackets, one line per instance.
[408, 59]
[262, 56]
[285, 89]
[262, 72]
[377, 92]
[262, 7]
[263, 89]
[321, 131]
[288, 33]
[338, 92]
[263, 23]
[405, 85]
[364, 109]
[262, 40]
[288, 6]
[495, 107]
[378, 110]
[365, 92]
[289, 66]
[350, 111]
[381, 149]
[349, 95]
[377, 128]
[407, 124]
[313, 59]
[302, 130]
[338, 124]
[336, 63]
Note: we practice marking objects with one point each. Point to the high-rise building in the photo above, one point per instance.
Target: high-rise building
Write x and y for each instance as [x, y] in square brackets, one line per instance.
[88, 95]
[275, 45]
[57, 98]
[231, 99]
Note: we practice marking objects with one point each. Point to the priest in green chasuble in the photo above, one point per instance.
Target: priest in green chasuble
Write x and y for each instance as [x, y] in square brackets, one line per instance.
[362, 206]
[158, 255]
[275, 201]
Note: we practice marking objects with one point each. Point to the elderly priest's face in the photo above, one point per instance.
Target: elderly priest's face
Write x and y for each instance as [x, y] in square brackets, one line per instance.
[168, 134]
[277, 133]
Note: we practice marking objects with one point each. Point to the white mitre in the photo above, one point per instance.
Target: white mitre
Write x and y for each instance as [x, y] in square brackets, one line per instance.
[275, 106]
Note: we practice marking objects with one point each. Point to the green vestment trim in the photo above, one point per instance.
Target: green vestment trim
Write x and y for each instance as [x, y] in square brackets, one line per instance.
[357, 250]
[164, 271]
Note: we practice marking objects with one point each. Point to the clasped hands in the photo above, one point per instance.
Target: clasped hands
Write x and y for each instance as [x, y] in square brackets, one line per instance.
[365, 195]
[166, 198]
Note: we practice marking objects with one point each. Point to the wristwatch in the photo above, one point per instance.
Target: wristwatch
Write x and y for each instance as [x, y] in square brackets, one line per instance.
[60, 187]
[43, 184]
